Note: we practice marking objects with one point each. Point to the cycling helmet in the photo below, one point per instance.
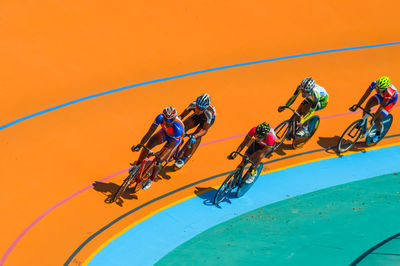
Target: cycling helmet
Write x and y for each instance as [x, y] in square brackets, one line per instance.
[307, 84]
[203, 101]
[382, 83]
[262, 130]
[169, 113]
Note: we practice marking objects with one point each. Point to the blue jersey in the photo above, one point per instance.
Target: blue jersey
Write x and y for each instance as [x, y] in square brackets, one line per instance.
[176, 131]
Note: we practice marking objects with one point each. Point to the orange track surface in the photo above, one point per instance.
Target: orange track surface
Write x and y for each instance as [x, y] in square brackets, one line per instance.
[56, 52]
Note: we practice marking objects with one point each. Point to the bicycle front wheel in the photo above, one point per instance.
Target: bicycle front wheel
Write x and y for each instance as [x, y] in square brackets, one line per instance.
[350, 136]
[125, 184]
[226, 187]
[281, 132]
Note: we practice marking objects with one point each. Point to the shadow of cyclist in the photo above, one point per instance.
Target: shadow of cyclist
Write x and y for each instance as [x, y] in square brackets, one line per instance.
[167, 169]
[207, 194]
[109, 189]
[281, 149]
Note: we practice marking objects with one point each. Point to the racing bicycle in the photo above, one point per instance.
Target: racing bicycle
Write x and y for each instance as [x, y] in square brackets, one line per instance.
[138, 174]
[359, 129]
[236, 180]
[287, 130]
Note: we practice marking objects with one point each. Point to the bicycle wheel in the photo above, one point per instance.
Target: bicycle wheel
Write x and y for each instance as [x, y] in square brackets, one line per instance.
[350, 136]
[126, 183]
[387, 122]
[313, 124]
[226, 187]
[281, 132]
[147, 172]
[244, 187]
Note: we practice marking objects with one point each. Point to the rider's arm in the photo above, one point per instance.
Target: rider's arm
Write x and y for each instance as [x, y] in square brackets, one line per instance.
[364, 97]
[203, 130]
[294, 96]
[246, 140]
[190, 108]
[148, 134]
[153, 127]
[184, 113]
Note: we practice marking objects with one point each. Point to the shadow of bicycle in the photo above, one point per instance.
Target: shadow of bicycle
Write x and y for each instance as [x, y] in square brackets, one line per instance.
[330, 145]
[207, 194]
[109, 189]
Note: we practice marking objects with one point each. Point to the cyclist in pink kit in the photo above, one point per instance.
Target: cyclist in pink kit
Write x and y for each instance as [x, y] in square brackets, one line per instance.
[263, 138]
[386, 97]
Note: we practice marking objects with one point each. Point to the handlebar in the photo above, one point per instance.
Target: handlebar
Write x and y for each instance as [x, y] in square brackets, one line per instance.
[245, 157]
[294, 111]
[150, 151]
[358, 106]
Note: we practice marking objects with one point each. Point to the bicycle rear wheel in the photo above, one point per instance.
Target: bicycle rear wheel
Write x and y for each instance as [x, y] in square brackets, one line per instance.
[226, 187]
[350, 136]
[126, 183]
[281, 132]
[244, 187]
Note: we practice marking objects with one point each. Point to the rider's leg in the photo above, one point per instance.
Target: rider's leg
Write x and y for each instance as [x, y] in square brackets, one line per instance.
[166, 151]
[193, 147]
[303, 109]
[190, 123]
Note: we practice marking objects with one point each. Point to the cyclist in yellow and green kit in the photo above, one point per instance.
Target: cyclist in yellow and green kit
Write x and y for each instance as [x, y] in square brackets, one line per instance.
[315, 98]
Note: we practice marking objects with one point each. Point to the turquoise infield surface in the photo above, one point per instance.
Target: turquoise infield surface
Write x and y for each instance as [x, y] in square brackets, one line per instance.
[164, 232]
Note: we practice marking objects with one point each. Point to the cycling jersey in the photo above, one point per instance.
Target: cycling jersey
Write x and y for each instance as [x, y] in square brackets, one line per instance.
[318, 98]
[269, 140]
[389, 94]
[175, 131]
[208, 115]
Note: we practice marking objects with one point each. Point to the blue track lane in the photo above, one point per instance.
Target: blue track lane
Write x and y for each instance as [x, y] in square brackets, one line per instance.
[149, 241]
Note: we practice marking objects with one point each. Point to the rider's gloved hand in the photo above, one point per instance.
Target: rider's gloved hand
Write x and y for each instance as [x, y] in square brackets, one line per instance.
[353, 108]
[281, 108]
[136, 147]
[231, 156]
[193, 139]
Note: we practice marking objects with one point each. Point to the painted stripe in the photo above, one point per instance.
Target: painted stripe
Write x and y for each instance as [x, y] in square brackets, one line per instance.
[186, 220]
[370, 251]
[26, 230]
[201, 181]
[192, 74]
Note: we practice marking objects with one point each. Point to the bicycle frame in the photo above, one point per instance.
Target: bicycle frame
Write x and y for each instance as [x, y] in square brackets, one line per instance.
[229, 184]
[290, 128]
[364, 124]
[181, 148]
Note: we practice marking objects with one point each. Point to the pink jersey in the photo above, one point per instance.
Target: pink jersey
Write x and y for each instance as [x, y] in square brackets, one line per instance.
[269, 139]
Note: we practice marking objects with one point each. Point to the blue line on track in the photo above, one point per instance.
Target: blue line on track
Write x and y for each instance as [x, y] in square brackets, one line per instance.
[191, 74]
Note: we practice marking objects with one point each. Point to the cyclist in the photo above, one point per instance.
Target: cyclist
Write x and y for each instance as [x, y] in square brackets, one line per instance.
[263, 140]
[386, 97]
[203, 117]
[171, 132]
[315, 98]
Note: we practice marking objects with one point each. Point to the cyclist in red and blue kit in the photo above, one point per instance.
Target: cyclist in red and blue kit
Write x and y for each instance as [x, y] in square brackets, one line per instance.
[172, 132]
[386, 97]
[263, 141]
